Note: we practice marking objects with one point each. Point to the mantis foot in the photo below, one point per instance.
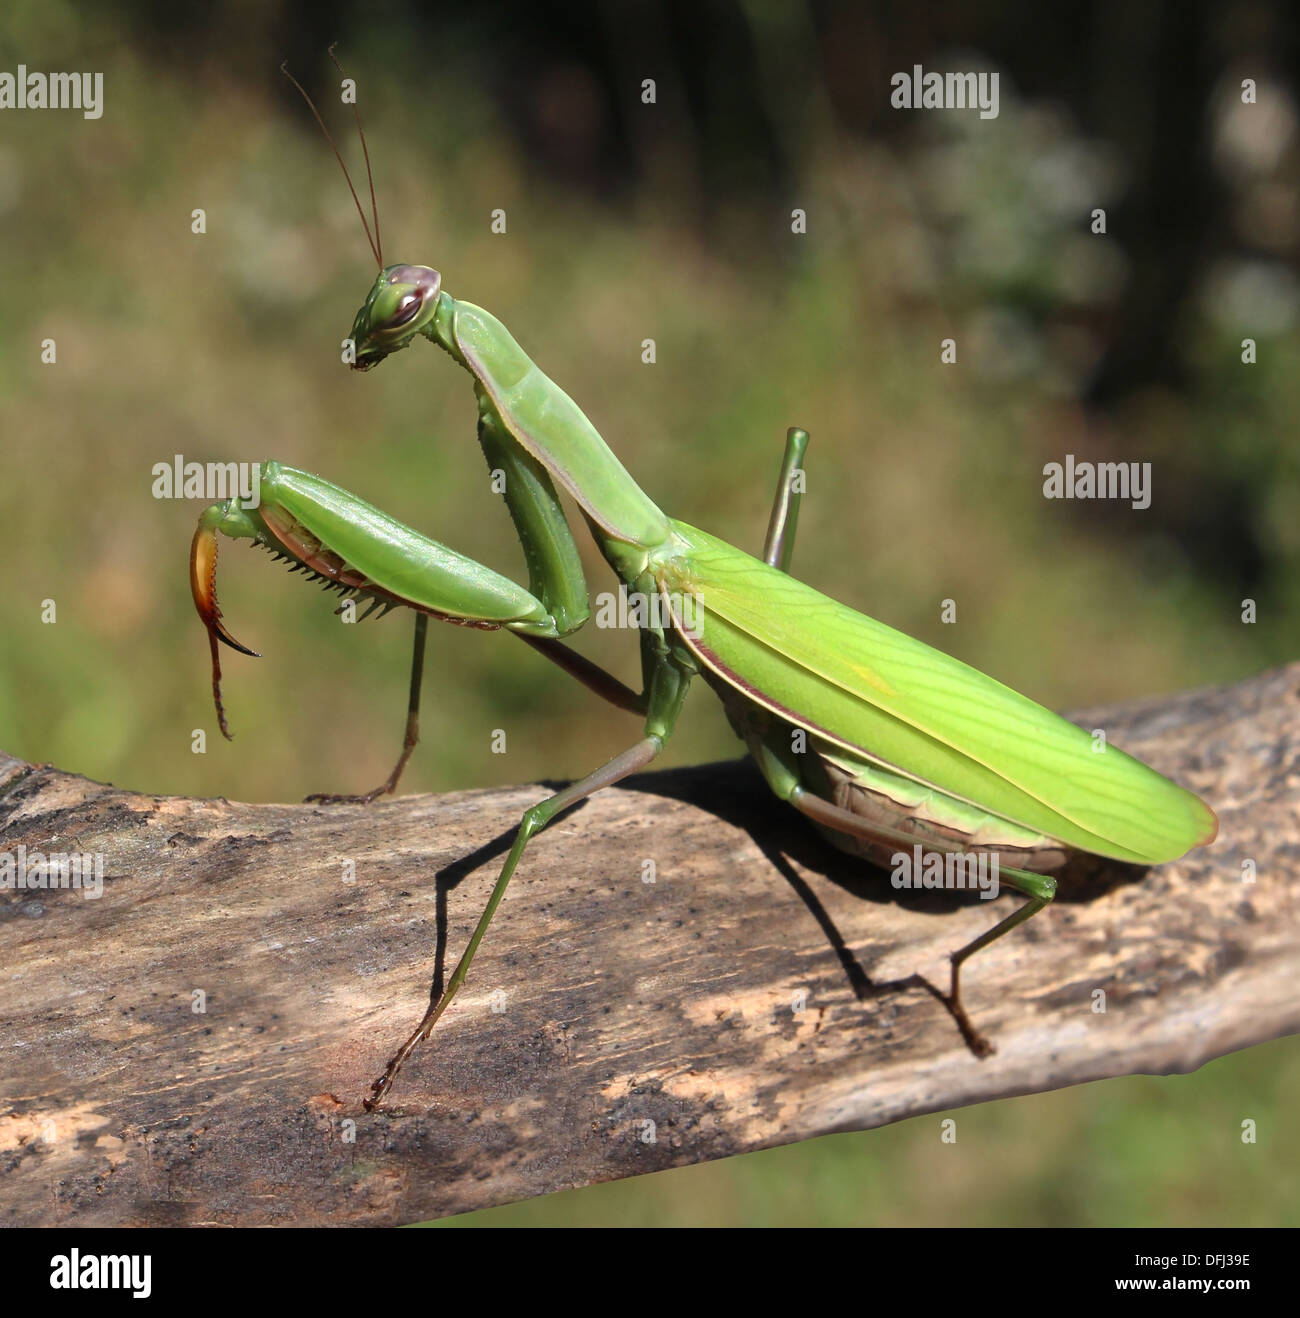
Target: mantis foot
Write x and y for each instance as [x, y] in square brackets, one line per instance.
[330, 798]
[385, 1082]
[975, 1041]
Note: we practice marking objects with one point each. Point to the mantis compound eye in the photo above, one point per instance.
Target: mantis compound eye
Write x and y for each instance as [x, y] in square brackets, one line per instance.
[406, 311]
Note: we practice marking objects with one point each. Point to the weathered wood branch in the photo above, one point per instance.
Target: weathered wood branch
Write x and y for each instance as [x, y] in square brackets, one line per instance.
[600, 1002]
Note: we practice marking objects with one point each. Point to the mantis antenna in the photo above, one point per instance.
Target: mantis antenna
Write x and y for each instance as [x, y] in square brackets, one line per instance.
[375, 249]
[365, 151]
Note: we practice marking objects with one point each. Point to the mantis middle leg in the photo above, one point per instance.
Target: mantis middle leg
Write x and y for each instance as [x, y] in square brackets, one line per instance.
[779, 544]
[666, 689]
[409, 740]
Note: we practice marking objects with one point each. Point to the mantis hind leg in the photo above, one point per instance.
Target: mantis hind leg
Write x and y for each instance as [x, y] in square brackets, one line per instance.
[784, 520]
[412, 734]
[780, 770]
[1040, 890]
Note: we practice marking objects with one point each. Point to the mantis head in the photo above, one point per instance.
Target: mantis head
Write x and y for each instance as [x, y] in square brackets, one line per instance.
[404, 299]
[400, 305]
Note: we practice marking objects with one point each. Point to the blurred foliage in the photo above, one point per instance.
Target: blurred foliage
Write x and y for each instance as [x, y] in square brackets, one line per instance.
[669, 222]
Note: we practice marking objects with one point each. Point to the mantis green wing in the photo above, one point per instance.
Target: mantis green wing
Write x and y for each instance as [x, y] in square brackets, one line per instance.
[897, 702]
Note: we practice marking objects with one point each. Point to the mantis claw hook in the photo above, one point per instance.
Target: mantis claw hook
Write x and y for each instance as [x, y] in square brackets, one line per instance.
[203, 586]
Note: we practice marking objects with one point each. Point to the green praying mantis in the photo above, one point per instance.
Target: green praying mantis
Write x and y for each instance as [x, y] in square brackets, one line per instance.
[885, 744]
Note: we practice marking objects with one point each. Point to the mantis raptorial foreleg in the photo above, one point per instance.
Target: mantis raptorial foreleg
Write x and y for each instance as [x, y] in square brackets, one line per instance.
[554, 566]
[555, 577]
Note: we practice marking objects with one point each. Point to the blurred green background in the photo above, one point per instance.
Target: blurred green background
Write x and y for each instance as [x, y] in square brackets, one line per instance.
[671, 221]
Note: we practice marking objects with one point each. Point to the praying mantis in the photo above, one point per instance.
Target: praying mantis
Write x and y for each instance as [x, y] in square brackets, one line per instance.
[883, 743]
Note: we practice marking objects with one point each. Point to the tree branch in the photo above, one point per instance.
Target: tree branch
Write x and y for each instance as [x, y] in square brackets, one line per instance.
[762, 989]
